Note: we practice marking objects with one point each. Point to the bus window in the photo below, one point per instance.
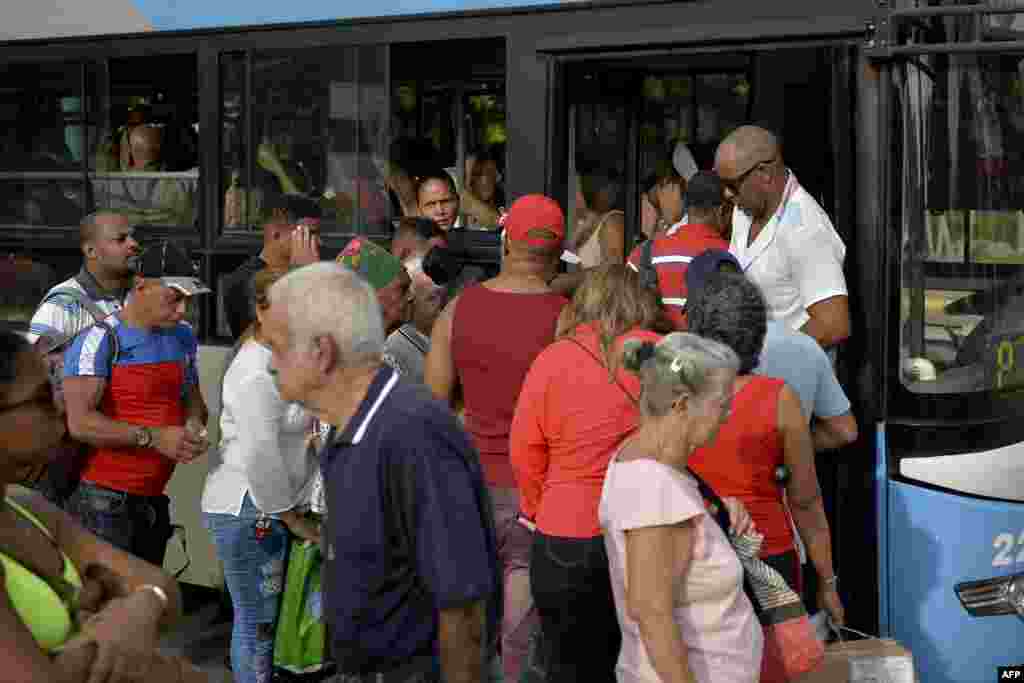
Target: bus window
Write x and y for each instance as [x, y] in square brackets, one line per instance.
[143, 154]
[962, 304]
[41, 145]
[450, 113]
[679, 110]
[318, 130]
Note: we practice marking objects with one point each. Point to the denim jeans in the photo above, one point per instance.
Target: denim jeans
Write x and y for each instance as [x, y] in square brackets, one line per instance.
[140, 525]
[419, 670]
[520, 616]
[572, 588]
[254, 570]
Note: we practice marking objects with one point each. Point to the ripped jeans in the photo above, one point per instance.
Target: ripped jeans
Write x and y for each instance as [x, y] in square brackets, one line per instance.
[254, 569]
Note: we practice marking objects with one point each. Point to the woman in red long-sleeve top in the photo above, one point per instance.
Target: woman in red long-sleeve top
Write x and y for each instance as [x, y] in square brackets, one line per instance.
[575, 408]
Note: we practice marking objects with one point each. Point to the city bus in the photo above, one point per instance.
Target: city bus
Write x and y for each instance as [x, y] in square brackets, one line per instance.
[905, 122]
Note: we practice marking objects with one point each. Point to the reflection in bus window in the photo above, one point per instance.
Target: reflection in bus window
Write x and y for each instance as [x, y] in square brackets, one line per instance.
[144, 160]
[318, 130]
[449, 112]
[41, 145]
[962, 306]
[679, 111]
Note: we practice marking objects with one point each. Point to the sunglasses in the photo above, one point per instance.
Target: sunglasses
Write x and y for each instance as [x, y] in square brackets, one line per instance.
[736, 183]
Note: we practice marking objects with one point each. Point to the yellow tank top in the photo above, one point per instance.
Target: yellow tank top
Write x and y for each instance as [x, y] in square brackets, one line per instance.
[40, 608]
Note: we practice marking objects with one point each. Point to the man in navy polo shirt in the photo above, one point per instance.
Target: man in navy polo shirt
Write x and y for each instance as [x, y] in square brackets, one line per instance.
[411, 559]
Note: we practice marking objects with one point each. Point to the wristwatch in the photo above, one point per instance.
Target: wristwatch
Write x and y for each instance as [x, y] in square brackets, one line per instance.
[143, 437]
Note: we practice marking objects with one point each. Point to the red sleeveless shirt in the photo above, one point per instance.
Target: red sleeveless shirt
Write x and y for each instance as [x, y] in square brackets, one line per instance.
[742, 459]
[495, 338]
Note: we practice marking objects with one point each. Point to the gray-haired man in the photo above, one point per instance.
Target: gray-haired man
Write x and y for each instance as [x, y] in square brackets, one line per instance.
[410, 547]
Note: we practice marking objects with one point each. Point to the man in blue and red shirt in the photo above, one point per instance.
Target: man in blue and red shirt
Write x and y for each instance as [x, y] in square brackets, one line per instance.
[705, 228]
[136, 402]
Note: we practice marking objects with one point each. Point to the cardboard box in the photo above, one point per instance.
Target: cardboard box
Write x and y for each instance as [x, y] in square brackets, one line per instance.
[864, 661]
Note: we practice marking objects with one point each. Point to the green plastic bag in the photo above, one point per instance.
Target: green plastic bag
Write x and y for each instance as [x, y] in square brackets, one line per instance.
[299, 642]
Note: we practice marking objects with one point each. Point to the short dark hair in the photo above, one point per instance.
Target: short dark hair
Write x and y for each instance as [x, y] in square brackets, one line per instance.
[483, 153]
[293, 206]
[704, 191]
[89, 227]
[730, 309]
[436, 174]
[660, 171]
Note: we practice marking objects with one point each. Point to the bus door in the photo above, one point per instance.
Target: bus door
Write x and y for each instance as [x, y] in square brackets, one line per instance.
[950, 476]
[622, 114]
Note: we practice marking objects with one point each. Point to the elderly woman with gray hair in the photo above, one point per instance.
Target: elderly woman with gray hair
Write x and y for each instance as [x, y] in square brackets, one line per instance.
[678, 584]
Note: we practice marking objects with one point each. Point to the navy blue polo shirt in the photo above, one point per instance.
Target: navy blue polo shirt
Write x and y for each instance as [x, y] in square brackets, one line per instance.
[407, 527]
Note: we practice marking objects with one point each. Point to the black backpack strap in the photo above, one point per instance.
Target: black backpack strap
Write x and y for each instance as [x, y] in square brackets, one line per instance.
[715, 505]
[648, 273]
[716, 508]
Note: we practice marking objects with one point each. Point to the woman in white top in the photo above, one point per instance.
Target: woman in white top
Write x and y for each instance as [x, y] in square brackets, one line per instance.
[677, 582]
[256, 492]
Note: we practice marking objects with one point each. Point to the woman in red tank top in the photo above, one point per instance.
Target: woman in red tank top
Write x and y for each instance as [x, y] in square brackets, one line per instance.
[765, 434]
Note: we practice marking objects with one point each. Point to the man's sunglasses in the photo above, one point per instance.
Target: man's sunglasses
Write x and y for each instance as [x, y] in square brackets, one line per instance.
[736, 183]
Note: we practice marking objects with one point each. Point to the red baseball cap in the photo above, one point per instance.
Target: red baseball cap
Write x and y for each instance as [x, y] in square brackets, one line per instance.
[535, 220]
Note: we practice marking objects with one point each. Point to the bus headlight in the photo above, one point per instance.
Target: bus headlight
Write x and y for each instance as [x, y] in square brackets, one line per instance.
[993, 597]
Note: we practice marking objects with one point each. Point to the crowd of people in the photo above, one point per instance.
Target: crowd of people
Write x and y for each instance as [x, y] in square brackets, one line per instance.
[509, 474]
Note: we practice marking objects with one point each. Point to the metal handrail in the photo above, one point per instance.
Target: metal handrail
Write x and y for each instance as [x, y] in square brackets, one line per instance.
[953, 10]
[975, 47]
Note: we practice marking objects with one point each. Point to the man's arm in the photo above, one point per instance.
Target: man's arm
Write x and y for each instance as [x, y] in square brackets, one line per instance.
[834, 425]
[461, 640]
[438, 490]
[439, 368]
[121, 573]
[815, 253]
[829, 321]
[82, 398]
[830, 433]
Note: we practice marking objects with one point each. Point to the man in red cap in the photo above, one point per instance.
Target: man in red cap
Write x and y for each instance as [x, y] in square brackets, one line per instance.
[484, 341]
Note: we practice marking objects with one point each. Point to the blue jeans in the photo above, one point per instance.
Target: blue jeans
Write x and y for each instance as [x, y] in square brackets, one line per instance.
[254, 570]
[140, 525]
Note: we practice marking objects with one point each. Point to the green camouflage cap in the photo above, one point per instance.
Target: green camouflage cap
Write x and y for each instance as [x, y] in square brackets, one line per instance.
[371, 262]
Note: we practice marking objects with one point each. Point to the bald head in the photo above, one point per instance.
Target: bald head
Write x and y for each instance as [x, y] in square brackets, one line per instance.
[92, 227]
[145, 144]
[746, 146]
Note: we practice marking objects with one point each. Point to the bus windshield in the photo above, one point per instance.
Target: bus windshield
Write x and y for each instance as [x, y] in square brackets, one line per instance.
[962, 238]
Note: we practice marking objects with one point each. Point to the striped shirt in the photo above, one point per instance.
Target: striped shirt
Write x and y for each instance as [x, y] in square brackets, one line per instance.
[63, 315]
[671, 256]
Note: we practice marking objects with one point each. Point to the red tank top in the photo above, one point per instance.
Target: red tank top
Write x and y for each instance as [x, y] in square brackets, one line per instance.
[742, 459]
[495, 338]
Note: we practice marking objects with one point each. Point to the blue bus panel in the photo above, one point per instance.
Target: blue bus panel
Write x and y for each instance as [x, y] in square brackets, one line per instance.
[936, 540]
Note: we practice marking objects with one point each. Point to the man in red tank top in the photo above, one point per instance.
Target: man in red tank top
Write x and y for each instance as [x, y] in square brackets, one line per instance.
[484, 342]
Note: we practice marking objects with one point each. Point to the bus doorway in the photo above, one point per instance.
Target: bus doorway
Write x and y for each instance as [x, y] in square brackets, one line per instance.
[621, 115]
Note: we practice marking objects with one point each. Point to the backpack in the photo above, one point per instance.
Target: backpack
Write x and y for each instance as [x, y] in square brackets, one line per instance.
[60, 477]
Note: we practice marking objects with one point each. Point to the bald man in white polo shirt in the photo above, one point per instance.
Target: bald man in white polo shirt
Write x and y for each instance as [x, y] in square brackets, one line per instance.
[782, 237]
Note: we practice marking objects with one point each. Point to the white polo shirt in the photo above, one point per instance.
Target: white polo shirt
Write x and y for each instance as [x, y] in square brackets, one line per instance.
[796, 260]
